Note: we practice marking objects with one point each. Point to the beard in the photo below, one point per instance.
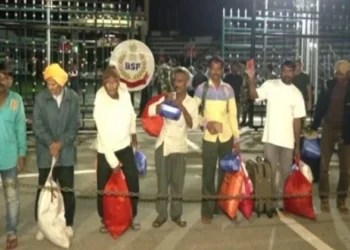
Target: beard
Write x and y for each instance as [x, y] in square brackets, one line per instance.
[287, 80]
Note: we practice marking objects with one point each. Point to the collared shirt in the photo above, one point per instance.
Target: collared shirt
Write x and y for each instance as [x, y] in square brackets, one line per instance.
[174, 133]
[59, 98]
[116, 122]
[220, 106]
[13, 137]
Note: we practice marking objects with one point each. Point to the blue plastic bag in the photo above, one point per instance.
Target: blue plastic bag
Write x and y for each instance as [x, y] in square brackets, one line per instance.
[141, 162]
[311, 148]
[170, 110]
[231, 162]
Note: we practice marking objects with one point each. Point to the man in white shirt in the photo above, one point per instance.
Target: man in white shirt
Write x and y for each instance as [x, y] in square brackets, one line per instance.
[284, 112]
[116, 136]
[171, 149]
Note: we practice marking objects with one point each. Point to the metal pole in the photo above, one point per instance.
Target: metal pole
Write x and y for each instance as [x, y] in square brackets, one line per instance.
[48, 31]
[265, 31]
[316, 51]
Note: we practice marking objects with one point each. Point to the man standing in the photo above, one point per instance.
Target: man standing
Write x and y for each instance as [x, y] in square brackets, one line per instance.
[171, 149]
[302, 82]
[219, 121]
[284, 111]
[235, 80]
[333, 107]
[56, 122]
[13, 148]
[115, 119]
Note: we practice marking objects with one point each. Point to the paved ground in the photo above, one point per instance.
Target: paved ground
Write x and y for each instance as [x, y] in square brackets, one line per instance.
[330, 231]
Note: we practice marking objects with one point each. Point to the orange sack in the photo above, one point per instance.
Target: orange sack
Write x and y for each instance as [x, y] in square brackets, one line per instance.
[152, 125]
[230, 192]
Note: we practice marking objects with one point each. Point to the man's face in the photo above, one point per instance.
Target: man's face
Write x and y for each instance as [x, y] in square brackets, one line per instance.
[181, 80]
[5, 82]
[54, 88]
[235, 68]
[341, 77]
[111, 86]
[298, 68]
[287, 74]
[216, 71]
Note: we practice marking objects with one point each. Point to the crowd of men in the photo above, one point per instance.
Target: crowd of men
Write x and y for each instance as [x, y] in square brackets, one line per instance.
[214, 107]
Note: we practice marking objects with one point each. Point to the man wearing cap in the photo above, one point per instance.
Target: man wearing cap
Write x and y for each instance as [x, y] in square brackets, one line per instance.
[56, 121]
[333, 109]
[13, 147]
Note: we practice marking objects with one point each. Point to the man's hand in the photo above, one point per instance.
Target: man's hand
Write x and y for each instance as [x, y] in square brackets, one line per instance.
[250, 73]
[55, 149]
[236, 147]
[311, 135]
[297, 155]
[21, 163]
[134, 142]
[118, 168]
[214, 127]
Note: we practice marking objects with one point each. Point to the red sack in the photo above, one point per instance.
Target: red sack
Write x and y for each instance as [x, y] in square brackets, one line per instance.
[230, 191]
[117, 211]
[152, 125]
[246, 206]
[298, 185]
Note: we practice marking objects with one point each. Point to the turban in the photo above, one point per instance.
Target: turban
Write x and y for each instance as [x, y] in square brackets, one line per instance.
[55, 72]
[342, 66]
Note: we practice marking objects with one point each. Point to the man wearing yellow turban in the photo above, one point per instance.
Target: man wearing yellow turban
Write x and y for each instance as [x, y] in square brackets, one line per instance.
[56, 122]
[333, 108]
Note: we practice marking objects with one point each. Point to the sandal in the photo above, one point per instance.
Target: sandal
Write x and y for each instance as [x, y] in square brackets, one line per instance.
[158, 222]
[180, 222]
[103, 229]
[342, 208]
[11, 242]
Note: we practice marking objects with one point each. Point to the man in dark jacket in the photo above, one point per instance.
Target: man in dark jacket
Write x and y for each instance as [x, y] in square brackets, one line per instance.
[333, 107]
[56, 121]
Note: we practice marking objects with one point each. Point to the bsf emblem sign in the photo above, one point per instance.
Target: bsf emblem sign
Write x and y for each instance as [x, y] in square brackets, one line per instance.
[135, 64]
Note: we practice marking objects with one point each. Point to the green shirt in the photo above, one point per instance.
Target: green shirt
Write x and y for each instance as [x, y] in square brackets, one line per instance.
[13, 136]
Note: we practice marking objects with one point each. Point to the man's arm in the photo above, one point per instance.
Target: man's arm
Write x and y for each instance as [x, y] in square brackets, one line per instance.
[309, 94]
[198, 100]
[103, 136]
[21, 129]
[133, 124]
[154, 108]
[254, 93]
[319, 111]
[69, 136]
[232, 110]
[299, 112]
[39, 130]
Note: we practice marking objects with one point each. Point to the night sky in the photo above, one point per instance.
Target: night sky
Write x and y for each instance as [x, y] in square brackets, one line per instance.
[191, 17]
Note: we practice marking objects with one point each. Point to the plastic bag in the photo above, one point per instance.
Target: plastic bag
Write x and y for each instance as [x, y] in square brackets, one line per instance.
[231, 162]
[51, 220]
[246, 206]
[230, 191]
[298, 195]
[305, 170]
[152, 125]
[141, 162]
[170, 110]
[311, 148]
[117, 211]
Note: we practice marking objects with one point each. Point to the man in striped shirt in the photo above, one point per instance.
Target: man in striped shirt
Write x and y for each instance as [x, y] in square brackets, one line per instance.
[220, 125]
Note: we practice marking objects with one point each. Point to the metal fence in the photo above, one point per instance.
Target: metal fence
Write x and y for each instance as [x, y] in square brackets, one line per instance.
[78, 34]
[316, 31]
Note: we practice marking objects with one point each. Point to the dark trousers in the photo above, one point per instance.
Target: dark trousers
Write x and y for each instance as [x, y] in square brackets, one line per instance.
[171, 170]
[329, 138]
[65, 177]
[104, 172]
[211, 153]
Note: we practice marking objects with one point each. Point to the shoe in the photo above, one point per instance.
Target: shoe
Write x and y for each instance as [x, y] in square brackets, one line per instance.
[69, 231]
[135, 225]
[39, 236]
[11, 242]
[325, 206]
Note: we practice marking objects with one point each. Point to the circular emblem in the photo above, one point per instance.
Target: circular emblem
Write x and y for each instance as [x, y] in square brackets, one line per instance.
[135, 63]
